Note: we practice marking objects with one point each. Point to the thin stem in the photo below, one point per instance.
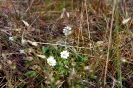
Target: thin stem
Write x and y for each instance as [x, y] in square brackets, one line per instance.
[118, 64]
[109, 45]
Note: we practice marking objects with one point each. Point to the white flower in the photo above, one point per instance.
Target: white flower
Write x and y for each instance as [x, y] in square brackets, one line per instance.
[64, 54]
[126, 20]
[67, 30]
[21, 51]
[51, 61]
[11, 38]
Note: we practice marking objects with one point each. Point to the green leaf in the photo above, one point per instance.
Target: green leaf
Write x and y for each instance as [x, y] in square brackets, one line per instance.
[31, 73]
[44, 49]
[66, 62]
[92, 76]
[42, 86]
[48, 2]
[79, 58]
[60, 6]
[21, 86]
[79, 86]
[85, 58]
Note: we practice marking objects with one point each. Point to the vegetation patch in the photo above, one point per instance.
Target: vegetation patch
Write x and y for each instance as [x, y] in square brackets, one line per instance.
[66, 44]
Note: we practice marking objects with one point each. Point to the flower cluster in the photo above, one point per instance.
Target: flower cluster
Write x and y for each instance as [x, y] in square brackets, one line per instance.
[52, 62]
[67, 30]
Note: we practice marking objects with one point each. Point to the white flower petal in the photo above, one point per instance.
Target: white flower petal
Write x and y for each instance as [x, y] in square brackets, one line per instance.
[11, 38]
[51, 61]
[67, 27]
[64, 54]
[67, 30]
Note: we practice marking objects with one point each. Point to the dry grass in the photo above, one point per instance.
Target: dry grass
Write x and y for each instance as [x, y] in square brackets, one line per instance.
[90, 65]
